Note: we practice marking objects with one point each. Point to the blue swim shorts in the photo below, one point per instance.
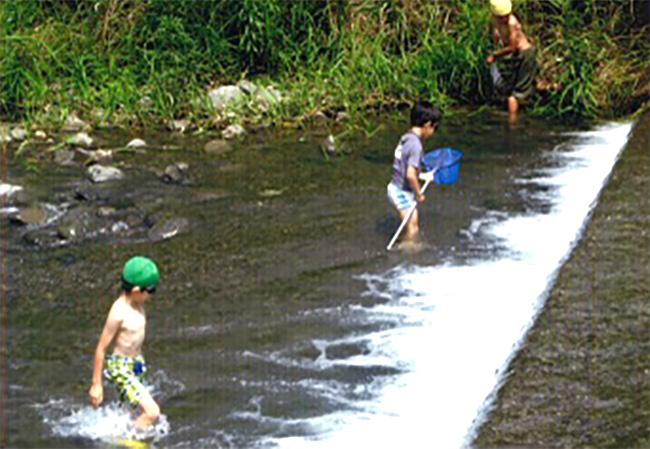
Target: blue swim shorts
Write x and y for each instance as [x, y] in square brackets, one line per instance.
[399, 198]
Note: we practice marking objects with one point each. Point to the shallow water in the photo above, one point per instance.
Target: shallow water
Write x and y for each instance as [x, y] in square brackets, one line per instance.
[281, 320]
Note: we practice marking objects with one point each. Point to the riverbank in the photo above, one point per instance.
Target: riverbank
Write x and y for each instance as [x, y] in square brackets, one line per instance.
[149, 63]
[581, 378]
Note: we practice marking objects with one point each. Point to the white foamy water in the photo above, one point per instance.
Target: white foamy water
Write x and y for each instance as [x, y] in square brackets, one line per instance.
[110, 422]
[460, 325]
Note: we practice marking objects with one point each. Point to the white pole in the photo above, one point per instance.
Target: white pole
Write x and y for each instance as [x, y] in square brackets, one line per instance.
[406, 219]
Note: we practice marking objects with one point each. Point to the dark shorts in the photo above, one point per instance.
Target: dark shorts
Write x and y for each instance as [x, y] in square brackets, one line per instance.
[524, 70]
[516, 75]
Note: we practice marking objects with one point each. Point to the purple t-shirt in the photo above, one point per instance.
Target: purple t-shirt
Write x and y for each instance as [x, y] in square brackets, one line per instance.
[408, 152]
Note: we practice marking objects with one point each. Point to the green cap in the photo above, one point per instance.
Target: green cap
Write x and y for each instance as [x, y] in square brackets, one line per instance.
[140, 272]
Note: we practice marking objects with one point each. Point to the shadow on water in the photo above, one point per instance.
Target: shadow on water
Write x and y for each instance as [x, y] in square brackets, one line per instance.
[260, 294]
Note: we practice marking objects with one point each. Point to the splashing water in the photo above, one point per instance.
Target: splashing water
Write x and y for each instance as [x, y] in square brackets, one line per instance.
[460, 325]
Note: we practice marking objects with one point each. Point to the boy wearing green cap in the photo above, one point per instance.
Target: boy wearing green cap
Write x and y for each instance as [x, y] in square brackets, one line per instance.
[125, 329]
[507, 31]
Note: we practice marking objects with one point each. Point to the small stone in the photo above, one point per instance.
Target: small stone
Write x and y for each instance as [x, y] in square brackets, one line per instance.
[319, 117]
[100, 173]
[217, 147]
[18, 134]
[40, 135]
[27, 216]
[233, 131]
[329, 145]
[106, 211]
[64, 157]
[179, 125]
[73, 124]
[99, 156]
[167, 229]
[342, 117]
[120, 226]
[81, 139]
[174, 173]
[145, 102]
[136, 143]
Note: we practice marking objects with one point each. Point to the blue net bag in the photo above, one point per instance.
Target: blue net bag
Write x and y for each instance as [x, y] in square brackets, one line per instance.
[447, 162]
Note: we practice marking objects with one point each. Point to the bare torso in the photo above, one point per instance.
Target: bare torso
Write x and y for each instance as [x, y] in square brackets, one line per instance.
[512, 28]
[130, 335]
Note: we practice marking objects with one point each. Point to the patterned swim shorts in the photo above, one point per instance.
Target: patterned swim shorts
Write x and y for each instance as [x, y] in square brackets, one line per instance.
[127, 374]
[399, 198]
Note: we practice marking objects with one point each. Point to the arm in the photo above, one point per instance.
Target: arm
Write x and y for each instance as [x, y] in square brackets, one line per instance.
[113, 323]
[513, 40]
[412, 179]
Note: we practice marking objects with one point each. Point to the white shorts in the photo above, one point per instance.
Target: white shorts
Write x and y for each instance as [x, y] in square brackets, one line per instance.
[400, 198]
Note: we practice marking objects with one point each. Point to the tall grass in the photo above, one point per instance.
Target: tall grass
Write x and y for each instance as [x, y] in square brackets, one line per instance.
[62, 55]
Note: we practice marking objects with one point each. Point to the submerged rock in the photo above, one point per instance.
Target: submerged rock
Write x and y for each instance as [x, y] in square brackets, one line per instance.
[31, 216]
[217, 147]
[167, 229]
[211, 196]
[41, 238]
[175, 173]
[78, 224]
[100, 173]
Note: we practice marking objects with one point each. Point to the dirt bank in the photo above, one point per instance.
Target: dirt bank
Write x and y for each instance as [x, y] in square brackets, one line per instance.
[582, 376]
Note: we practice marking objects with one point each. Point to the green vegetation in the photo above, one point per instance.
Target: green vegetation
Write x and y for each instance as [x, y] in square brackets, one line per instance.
[59, 56]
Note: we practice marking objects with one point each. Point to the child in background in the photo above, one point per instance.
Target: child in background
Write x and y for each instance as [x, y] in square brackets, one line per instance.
[507, 32]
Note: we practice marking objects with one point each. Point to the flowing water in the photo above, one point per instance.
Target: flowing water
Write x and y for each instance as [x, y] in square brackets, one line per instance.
[281, 321]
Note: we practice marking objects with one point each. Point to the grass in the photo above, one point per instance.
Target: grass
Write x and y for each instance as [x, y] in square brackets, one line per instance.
[59, 56]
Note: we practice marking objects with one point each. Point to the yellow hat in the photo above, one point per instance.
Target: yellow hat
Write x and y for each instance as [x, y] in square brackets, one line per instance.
[500, 7]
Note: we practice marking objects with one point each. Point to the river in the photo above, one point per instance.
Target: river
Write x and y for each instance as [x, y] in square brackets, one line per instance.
[281, 321]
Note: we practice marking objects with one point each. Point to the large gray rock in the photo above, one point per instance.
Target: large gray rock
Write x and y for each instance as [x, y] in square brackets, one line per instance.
[100, 173]
[226, 96]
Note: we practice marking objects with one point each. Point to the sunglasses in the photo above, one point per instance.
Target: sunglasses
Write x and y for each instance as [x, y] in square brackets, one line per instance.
[150, 290]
